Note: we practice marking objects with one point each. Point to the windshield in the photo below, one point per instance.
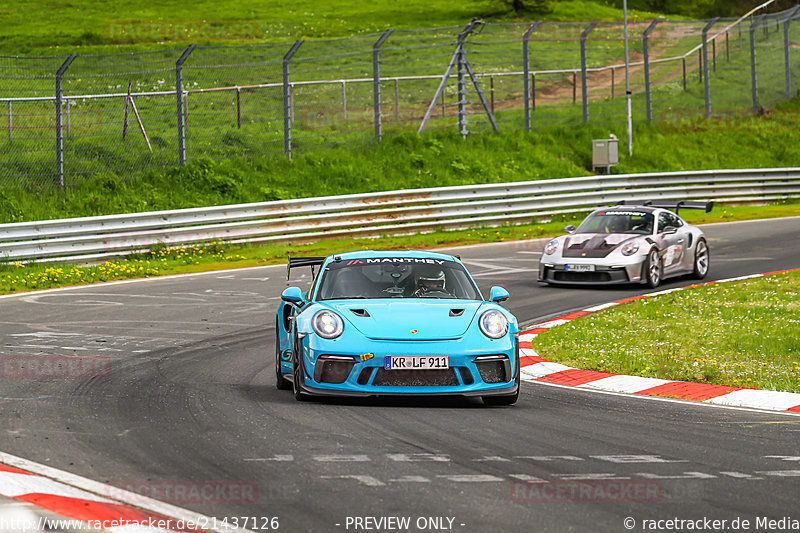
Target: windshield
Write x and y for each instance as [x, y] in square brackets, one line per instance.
[396, 277]
[638, 222]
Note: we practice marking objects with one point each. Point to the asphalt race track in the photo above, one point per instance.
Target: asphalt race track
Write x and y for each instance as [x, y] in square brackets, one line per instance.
[189, 398]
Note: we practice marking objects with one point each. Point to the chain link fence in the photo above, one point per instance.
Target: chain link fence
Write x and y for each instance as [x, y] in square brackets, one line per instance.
[71, 117]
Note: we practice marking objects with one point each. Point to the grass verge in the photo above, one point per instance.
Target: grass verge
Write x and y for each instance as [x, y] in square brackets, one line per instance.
[103, 26]
[162, 260]
[740, 334]
[408, 160]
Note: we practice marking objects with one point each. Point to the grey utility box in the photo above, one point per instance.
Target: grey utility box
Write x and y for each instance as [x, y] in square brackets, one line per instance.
[605, 153]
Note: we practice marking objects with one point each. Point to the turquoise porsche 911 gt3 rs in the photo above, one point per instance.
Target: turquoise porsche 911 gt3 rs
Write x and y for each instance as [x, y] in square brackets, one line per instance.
[395, 323]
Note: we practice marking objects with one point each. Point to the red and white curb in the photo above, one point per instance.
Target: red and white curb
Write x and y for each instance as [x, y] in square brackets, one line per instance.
[95, 505]
[536, 369]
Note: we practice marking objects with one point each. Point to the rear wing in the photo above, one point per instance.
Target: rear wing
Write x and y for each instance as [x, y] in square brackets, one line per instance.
[675, 206]
[295, 262]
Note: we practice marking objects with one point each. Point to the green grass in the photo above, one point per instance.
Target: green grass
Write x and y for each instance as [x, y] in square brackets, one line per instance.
[249, 124]
[740, 334]
[409, 161]
[102, 26]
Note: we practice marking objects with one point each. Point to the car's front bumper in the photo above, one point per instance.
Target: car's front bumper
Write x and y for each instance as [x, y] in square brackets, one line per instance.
[358, 368]
[603, 274]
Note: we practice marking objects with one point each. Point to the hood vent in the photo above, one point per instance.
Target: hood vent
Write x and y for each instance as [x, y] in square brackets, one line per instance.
[363, 313]
[592, 246]
[456, 312]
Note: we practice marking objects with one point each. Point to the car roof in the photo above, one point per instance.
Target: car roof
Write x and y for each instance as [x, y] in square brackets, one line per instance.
[373, 254]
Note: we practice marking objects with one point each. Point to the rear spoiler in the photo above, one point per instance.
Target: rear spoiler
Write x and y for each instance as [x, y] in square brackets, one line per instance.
[295, 262]
[675, 206]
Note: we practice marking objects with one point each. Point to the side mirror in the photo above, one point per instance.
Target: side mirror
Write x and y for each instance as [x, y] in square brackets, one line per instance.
[498, 294]
[669, 230]
[293, 295]
[570, 229]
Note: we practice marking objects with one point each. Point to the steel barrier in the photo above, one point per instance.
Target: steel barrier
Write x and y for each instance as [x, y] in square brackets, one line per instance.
[381, 213]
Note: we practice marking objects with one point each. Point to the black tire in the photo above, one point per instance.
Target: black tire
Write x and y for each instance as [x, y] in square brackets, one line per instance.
[653, 269]
[281, 382]
[297, 372]
[702, 260]
[507, 399]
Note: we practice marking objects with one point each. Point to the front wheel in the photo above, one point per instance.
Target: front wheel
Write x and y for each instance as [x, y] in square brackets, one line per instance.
[701, 260]
[652, 269]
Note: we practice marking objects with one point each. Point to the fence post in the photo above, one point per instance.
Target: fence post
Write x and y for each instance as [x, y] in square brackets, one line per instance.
[59, 110]
[461, 92]
[238, 108]
[739, 27]
[613, 82]
[461, 55]
[344, 100]
[786, 47]
[700, 65]
[727, 48]
[584, 81]
[706, 81]
[179, 97]
[526, 68]
[376, 81]
[753, 73]
[574, 87]
[396, 99]
[287, 119]
[646, 50]
[491, 92]
[69, 117]
[9, 120]
[684, 73]
[714, 54]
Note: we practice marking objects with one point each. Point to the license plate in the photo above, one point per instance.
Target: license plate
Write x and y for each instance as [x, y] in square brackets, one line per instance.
[579, 268]
[416, 362]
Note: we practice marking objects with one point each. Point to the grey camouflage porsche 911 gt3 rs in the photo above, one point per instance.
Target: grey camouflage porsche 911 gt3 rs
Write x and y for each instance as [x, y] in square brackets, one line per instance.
[632, 242]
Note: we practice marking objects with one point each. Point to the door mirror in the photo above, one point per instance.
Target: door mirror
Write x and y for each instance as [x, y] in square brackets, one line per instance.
[498, 294]
[293, 295]
[669, 230]
[570, 229]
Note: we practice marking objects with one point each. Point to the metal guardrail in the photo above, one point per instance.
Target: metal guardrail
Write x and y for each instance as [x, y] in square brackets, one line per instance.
[375, 214]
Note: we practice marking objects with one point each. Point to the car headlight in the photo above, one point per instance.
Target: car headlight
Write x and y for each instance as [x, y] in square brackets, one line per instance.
[327, 324]
[493, 324]
[551, 247]
[630, 248]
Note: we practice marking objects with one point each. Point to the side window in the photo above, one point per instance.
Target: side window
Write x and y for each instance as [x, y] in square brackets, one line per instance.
[287, 317]
[315, 283]
[663, 221]
[669, 219]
